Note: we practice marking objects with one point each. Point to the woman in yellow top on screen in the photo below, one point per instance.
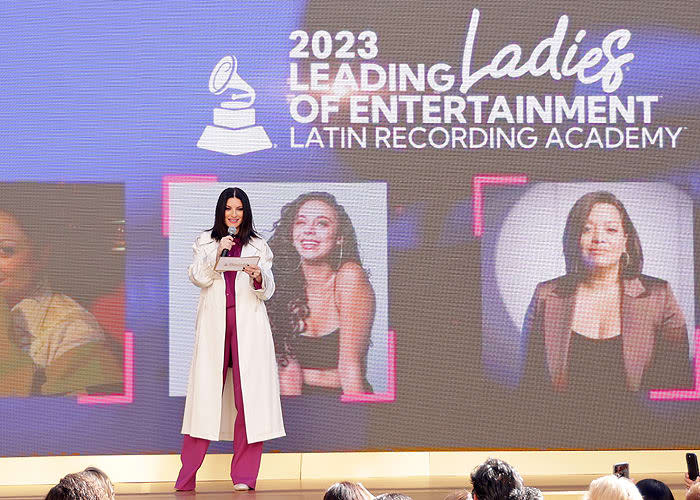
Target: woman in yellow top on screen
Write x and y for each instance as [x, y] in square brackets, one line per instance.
[49, 344]
[604, 324]
[323, 311]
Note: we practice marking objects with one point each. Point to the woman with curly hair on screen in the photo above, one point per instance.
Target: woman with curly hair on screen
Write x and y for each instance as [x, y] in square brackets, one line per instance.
[323, 311]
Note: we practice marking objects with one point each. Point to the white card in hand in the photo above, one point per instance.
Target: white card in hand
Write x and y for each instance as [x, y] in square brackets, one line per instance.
[235, 263]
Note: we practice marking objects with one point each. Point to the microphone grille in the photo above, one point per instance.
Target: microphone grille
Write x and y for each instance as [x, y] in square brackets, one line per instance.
[232, 230]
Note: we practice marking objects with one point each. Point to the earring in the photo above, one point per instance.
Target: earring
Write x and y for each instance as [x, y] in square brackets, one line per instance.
[575, 268]
[626, 259]
[340, 257]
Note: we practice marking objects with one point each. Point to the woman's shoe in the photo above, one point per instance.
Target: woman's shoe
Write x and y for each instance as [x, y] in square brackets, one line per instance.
[241, 487]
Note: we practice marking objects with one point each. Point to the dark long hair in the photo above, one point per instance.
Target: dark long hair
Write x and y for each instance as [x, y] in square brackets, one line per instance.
[247, 228]
[288, 308]
[575, 222]
[496, 480]
[653, 489]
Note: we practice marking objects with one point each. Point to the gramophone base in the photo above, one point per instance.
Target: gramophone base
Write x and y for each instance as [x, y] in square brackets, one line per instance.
[234, 141]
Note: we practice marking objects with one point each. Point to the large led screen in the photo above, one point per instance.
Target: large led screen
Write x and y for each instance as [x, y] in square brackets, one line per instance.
[513, 188]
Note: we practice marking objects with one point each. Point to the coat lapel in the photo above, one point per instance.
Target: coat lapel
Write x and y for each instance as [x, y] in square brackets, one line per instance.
[557, 334]
[637, 335]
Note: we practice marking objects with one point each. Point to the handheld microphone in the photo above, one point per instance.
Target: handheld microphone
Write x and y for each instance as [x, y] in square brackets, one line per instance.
[232, 231]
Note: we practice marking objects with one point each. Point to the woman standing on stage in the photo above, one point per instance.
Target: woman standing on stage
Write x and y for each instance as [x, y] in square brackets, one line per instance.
[232, 335]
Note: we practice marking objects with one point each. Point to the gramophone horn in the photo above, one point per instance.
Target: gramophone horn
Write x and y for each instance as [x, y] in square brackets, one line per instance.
[225, 77]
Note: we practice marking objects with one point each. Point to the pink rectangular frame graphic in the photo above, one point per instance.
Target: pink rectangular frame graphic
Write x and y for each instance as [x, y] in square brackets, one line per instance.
[683, 394]
[385, 397]
[128, 395]
[165, 201]
[478, 181]
[389, 396]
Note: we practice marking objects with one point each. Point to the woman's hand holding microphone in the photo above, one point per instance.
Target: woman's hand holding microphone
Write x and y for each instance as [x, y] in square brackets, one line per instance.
[226, 243]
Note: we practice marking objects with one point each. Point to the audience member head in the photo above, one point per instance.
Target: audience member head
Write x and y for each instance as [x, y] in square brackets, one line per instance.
[103, 479]
[496, 480]
[393, 496]
[612, 488]
[347, 490]
[530, 493]
[693, 492]
[78, 486]
[652, 489]
[459, 495]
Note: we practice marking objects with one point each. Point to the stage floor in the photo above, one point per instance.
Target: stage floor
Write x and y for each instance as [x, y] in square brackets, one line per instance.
[570, 487]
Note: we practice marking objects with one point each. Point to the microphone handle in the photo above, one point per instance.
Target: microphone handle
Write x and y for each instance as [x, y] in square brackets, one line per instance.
[224, 252]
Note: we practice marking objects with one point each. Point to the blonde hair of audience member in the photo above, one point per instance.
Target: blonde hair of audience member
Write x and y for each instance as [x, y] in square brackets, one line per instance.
[347, 490]
[103, 479]
[78, 486]
[612, 488]
[693, 492]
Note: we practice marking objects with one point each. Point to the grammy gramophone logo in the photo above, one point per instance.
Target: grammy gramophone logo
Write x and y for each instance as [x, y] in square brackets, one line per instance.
[234, 131]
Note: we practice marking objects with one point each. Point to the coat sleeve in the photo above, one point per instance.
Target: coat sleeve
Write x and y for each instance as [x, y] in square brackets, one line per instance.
[201, 271]
[535, 375]
[268, 281]
[670, 366]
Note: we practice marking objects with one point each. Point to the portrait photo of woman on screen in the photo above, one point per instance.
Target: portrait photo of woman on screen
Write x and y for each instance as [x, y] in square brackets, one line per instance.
[323, 311]
[50, 344]
[604, 327]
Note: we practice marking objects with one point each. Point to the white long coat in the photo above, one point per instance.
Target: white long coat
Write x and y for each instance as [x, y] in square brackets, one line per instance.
[210, 412]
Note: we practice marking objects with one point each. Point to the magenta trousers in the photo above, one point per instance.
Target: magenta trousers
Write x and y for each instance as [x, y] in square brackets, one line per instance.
[246, 456]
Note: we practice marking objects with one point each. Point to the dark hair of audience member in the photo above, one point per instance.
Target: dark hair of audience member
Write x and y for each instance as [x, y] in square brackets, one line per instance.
[496, 480]
[530, 493]
[393, 496]
[652, 489]
[78, 486]
[347, 490]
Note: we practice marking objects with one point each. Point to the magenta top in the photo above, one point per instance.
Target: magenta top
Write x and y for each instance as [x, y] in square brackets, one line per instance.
[230, 276]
